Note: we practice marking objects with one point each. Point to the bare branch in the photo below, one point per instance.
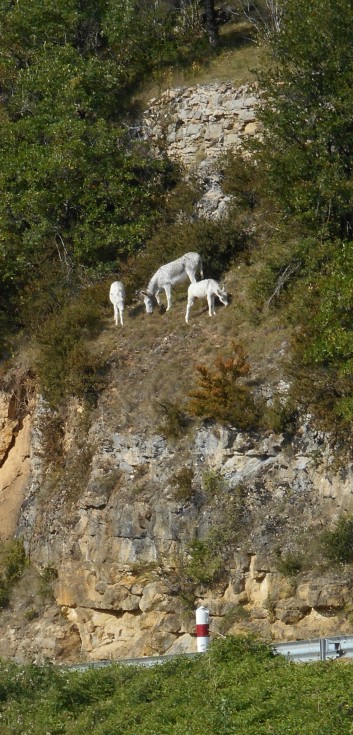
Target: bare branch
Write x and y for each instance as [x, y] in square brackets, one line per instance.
[283, 279]
[264, 15]
[63, 254]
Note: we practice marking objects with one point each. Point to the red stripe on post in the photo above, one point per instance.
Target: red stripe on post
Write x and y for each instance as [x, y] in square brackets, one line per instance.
[202, 631]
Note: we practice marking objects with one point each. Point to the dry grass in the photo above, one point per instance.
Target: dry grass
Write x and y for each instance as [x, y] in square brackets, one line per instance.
[236, 61]
[153, 357]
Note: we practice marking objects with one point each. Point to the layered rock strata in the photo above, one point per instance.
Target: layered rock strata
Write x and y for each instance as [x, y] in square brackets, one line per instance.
[120, 549]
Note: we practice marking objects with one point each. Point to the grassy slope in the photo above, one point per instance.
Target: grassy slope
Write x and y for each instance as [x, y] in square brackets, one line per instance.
[235, 62]
[153, 357]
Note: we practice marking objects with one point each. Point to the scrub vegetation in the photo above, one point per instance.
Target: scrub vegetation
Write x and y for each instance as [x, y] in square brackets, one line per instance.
[12, 563]
[238, 687]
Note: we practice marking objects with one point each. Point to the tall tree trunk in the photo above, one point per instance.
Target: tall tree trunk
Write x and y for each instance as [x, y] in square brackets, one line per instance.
[211, 26]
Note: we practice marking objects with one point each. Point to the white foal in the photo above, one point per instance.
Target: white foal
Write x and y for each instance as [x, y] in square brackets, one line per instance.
[208, 288]
[117, 297]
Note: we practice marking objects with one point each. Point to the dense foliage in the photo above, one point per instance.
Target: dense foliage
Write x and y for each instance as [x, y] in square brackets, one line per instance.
[66, 366]
[308, 115]
[239, 687]
[307, 159]
[338, 543]
[78, 190]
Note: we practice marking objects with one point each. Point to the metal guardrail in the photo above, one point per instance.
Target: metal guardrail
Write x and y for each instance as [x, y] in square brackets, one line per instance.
[317, 649]
[314, 649]
[146, 661]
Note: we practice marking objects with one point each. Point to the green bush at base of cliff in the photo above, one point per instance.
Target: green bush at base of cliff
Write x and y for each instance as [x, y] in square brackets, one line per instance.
[12, 563]
[238, 688]
[338, 543]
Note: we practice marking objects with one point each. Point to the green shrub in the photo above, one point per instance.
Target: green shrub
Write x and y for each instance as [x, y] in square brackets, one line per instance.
[48, 576]
[4, 592]
[205, 562]
[338, 544]
[66, 365]
[235, 614]
[218, 242]
[288, 564]
[281, 415]
[31, 614]
[323, 348]
[242, 179]
[174, 422]
[213, 483]
[182, 480]
[270, 606]
[12, 562]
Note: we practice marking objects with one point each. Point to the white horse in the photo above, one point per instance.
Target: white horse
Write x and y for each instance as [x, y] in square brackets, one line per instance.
[208, 288]
[167, 275]
[117, 297]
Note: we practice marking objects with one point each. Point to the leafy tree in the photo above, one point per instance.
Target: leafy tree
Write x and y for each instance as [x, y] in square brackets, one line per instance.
[76, 189]
[307, 114]
[307, 156]
[210, 22]
[141, 35]
[264, 15]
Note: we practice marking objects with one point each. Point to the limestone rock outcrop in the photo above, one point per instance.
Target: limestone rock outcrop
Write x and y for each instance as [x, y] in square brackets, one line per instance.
[197, 125]
[15, 435]
[120, 549]
[201, 123]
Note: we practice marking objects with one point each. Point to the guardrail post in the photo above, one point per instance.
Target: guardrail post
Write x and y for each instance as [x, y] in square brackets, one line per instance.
[202, 628]
[323, 649]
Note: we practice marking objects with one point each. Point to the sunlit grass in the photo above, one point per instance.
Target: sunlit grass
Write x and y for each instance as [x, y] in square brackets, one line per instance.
[236, 61]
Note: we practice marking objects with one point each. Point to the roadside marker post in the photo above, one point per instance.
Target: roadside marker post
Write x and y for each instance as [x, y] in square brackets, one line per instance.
[202, 629]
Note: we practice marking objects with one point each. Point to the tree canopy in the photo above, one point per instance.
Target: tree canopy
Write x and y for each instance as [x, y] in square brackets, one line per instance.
[77, 188]
[307, 155]
[308, 114]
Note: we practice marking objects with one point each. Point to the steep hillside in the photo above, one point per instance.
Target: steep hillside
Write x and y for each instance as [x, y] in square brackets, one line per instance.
[135, 511]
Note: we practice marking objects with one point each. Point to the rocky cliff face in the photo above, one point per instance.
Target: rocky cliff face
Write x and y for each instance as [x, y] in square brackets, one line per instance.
[16, 400]
[133, 528]
[200, 123]
[119, 549]
[197, 125]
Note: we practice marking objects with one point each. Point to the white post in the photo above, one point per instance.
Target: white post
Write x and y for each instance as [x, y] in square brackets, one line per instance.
[202, 629]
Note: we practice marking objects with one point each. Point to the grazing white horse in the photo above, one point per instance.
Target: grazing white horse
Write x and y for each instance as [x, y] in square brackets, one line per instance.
[167, 275]
[208, 288]
[117, 297]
